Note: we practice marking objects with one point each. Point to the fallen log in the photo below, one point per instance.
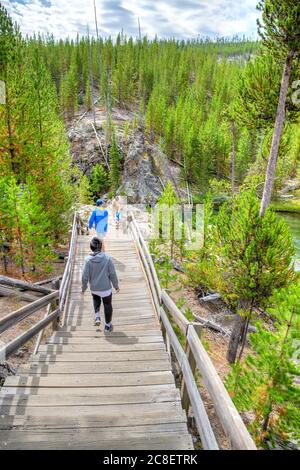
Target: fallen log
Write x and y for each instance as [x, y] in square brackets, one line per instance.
[7, 292]
[18, 284]
[60, 254]
[213, 326]
[210, 297]
[48, 281]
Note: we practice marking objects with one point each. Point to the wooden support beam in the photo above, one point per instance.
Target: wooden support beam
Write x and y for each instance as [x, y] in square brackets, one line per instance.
[192, 362]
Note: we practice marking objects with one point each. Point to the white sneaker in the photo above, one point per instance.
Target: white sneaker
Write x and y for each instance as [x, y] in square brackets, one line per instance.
[97, 321]
[108, 329]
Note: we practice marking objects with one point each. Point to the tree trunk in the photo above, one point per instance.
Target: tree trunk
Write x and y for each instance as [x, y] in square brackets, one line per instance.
[233, 131]
[10, 135]
[238, 331]
[236, 334]
[279, 123]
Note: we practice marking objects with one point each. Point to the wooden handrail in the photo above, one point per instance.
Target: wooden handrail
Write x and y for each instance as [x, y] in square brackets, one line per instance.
[53, 312]
[149, 277]
[231, 420]
[203, 424]
[23, 312]
[14, 345]
[176, 313]
[148, 256]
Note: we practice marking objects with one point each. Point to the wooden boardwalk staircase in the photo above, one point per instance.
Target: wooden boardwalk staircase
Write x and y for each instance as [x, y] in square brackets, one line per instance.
[90, 391]
[84, 390]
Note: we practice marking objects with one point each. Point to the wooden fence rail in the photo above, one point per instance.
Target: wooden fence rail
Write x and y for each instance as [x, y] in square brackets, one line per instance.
[54, 301]
[194, 356]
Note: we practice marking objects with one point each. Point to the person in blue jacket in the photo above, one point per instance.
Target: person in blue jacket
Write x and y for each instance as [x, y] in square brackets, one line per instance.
[99, 220]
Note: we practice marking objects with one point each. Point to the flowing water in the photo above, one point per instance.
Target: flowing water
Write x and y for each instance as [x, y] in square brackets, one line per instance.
[293, 221]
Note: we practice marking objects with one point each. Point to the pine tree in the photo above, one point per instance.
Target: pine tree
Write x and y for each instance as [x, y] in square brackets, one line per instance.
[280, 33]
[266, 381]
[168, 201]
[254, 257]
[99, 183]
[88, 96]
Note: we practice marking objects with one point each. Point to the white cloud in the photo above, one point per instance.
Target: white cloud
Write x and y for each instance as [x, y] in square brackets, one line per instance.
[166, 18]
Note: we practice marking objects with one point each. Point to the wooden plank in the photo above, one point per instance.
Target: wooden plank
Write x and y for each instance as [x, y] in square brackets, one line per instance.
[65, 399]
[92, 380]
[116, 321]
[118, 432]
[106, 412]
[76, 441]
[94, 333]
[93, 368]
[225, 409]
[114, 419]
[104, 393]
[103, 356]
[192, 362]
[103, 340]
[124, 313]
[101, 347]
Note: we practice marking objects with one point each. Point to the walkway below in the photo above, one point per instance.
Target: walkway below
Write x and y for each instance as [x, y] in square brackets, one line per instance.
[84, 390]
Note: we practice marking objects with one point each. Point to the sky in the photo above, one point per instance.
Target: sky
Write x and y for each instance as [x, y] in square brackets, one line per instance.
[181, 19]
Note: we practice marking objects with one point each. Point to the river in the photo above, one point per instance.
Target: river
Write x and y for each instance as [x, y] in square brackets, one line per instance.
[293, 221]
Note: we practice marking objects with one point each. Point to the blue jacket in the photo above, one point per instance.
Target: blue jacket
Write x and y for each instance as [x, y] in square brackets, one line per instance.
[99, 219]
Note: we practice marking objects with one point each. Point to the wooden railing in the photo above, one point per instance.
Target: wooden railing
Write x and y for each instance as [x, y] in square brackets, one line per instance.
[191, 357]
[54, 302]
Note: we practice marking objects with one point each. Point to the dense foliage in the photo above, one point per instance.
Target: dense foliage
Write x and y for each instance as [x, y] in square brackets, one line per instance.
[34, 158]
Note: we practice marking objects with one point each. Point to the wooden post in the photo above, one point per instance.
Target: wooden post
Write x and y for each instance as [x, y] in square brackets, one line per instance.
[54, 304]
[192, 362]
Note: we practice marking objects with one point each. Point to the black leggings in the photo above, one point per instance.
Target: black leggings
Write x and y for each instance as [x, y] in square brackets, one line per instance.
[108, 310]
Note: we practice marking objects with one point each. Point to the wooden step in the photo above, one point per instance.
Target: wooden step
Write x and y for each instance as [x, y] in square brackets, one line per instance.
[126, 439]
[91, 380]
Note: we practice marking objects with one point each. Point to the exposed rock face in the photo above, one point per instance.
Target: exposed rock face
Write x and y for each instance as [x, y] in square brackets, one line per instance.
[146, 168]
[84, 146]
[140, 182]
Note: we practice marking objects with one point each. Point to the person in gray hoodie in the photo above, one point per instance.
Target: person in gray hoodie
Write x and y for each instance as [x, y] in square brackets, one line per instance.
[99, 271]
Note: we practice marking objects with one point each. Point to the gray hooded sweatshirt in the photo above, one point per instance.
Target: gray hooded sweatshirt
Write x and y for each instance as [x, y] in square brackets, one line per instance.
[99, 272]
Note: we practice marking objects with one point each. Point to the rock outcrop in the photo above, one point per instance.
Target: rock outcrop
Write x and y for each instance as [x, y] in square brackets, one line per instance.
[146, 168]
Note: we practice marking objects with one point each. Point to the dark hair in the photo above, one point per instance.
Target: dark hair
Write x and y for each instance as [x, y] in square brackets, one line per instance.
[96, 244]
